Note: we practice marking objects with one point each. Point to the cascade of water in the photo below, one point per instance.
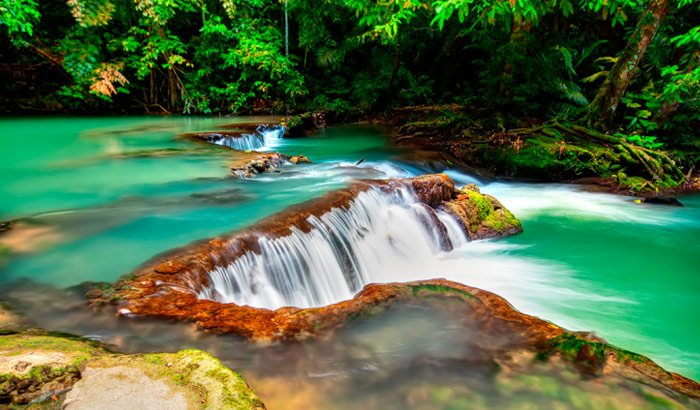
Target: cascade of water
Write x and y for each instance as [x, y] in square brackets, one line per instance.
[271, 135]
[335, 259]
[263, 137]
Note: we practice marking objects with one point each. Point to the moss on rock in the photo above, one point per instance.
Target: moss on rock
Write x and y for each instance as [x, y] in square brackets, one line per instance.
[33, 368]
[40, 369]
[483, 215]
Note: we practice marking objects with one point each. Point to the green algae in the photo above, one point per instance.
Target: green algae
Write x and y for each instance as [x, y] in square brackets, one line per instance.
[588, 355]
[426, 289]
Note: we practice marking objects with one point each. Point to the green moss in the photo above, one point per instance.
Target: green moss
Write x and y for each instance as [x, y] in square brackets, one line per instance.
[489, 213]
[546, 157]
[224, 388]
[483, 205]
[590, 355]
[423, 289]
[633, 183]
[501, 220]
[54, 341]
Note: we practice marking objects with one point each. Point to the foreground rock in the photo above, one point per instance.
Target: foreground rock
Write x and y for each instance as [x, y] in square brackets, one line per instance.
[502, 340]
[75, 373]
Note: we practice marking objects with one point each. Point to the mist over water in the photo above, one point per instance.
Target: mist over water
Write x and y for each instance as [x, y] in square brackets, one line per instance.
[587, 261]
[345, 250]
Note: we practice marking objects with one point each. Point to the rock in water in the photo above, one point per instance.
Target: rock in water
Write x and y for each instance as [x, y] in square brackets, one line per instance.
[253, 163]
[315, 253]
[299, 159]
[660, 200]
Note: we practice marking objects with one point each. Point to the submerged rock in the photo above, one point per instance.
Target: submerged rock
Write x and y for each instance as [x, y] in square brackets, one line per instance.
[75, 373]
[514, 343]
[26, 236]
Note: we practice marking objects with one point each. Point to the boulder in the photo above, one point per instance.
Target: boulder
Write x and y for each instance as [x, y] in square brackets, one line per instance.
[249, 164]
[483, 216]
[74, 373]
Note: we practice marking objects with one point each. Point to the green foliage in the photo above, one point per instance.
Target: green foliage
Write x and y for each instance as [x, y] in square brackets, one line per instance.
[526, 58]
[18, 18]
[646, 141]
[238, 64]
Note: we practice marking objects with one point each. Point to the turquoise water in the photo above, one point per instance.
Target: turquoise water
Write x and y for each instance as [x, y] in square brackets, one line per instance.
[99, 196]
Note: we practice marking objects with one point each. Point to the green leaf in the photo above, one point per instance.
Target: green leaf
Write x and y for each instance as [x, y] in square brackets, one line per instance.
[594, 77]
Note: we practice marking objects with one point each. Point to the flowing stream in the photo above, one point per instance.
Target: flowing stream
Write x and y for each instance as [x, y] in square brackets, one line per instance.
[93, 198]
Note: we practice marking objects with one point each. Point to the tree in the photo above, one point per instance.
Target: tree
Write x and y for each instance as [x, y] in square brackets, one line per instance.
[18, 18]
[601, 111]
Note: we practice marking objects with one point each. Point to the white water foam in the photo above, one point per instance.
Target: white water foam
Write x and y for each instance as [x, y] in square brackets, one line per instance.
[346, 249]
[261, 140]
[388, 237]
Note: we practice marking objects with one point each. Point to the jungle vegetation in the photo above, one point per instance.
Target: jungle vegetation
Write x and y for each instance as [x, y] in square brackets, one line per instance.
[620, 70]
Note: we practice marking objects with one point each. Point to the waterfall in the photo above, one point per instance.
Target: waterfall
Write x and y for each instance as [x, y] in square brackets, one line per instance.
[264, 137]
[345, 248]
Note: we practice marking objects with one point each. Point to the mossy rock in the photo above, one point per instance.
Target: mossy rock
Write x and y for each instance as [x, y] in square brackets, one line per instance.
[51, 371]
[299, 125]
[483, 215]
[34, 368]
[188, 379]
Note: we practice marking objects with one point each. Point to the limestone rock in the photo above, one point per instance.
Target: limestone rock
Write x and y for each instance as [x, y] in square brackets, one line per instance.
[79, 374]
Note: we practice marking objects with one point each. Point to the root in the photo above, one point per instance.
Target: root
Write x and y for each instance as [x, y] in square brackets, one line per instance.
[660, 167]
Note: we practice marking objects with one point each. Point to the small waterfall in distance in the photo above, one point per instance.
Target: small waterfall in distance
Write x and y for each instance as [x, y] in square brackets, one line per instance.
[376, 233]
[263, 137]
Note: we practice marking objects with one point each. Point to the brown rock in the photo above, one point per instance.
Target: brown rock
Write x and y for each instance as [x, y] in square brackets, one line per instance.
[158, 289]
[170, 267]
[299, 159]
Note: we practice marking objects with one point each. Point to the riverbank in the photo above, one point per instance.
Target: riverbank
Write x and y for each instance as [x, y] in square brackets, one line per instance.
[526, 149]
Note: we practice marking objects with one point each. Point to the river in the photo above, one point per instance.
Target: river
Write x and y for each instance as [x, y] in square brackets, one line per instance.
[97, 197]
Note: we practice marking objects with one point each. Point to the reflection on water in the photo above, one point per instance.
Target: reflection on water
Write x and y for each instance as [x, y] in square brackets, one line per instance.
[422, 355]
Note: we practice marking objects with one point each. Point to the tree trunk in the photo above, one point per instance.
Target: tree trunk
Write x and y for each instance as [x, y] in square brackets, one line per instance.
[518, 38]
[601, 111]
